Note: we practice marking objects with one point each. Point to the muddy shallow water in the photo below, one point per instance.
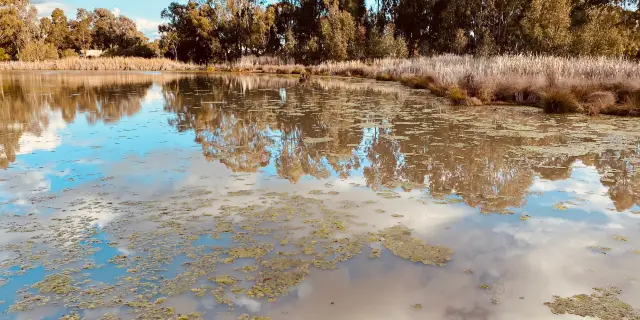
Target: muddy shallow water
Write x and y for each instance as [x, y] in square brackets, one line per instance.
[179, 196]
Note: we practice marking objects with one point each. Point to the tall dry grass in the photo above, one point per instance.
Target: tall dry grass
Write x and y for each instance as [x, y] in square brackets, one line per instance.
[547, 82]
[102, 64]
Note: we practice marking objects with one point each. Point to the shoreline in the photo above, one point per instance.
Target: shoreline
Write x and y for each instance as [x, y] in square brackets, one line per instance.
[590, 86]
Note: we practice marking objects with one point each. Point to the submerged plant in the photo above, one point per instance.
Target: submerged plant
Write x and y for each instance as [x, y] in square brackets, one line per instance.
[602, 304]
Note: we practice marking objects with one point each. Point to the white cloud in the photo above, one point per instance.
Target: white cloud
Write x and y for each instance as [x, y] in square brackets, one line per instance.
[46, 7]
[48, 140]
[116, 11]
[148, 27]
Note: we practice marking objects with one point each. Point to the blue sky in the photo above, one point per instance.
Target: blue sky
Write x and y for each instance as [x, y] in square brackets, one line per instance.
[146, 13]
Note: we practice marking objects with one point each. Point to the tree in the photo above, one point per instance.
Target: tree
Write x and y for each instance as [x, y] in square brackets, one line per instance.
[196, 26]
[617, 41]
[11, 25]
[337, 31]
[81, 33]
[58, 32]
[547, 24]
[38, 51]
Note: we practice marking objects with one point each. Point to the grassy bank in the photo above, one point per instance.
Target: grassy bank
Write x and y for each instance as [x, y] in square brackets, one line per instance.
[559, 85]
[102, 64]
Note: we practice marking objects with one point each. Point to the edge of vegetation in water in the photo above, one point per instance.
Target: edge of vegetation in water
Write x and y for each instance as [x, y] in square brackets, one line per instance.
[556, 84]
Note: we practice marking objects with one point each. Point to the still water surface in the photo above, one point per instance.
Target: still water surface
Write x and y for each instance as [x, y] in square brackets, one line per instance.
[159, 196]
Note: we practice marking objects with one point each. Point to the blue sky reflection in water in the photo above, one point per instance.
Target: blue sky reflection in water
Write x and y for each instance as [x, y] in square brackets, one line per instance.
[144, 189]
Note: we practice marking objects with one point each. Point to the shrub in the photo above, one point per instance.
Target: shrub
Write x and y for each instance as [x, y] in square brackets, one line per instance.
[69, 53]
[4, 56]
[419, 82]
[598, 101]
[384, 77]
[38, 51]
[559, 101]
[457, 96]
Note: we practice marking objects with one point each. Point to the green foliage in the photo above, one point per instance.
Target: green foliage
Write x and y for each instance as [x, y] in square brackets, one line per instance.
[38, 51]
[457, 96]
[337, 31]
[69, 53]
[314, 31]
[547, 24]
[4, 56]
[618, 40]
[386, 45]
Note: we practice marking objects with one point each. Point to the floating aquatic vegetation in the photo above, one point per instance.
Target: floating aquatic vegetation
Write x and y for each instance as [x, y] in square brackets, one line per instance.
[602, 304]
[399, 241]
[388, 194]
[375, 253]
[251, 252]
[240, 193]
[395, 215]
[560, 206]
[55, 283]
[272, 284]
[199, 292]
[417, 306]
[621, 238]
[316, 140]
[525, 217]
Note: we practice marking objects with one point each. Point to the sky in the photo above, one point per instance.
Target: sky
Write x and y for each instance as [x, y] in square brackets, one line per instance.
[146, 13]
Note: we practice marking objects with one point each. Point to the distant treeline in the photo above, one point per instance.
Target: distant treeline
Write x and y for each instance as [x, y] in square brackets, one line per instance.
[25, 37]
[313, 31]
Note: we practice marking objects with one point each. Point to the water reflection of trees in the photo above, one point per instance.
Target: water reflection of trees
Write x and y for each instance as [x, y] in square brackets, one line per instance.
[249, 122]
[27, 100]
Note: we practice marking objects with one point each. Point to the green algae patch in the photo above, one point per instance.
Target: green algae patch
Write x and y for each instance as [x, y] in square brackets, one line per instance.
[560, 206]
[417, 306]
[223, 280]
[240, 193]
[251, 252]
[603, 304]
[55, 283]
[621, 238]
[399, 241]
[272, 284]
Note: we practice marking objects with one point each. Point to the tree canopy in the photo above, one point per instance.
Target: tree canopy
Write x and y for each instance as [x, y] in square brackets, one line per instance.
[313, 31]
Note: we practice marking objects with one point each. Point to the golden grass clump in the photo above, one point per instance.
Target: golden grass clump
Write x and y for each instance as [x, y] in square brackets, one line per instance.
[598, 101]
[560, 101]
[457, 96]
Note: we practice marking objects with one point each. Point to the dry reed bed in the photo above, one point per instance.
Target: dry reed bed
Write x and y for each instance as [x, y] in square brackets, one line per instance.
[102, 64]
[589, 85]
[557, 84]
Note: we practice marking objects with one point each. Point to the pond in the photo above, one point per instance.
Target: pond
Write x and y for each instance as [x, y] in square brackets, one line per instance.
[220, 196]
